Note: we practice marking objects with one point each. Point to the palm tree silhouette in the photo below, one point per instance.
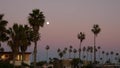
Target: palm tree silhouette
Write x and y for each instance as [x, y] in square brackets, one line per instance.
[99, 52]
[74, 51]
[70, 50]
[96, 30]
[81, 37]
[117, 55]
[14, 42]
[61, 55]
[3, 35]
[84, 49]
[91, 51]
[103, 52]
[65, 51]
[36, 20]
[47, 48]
[58, 50]
[25, 39]
[112, 56]
[107, 55]
[88, 50]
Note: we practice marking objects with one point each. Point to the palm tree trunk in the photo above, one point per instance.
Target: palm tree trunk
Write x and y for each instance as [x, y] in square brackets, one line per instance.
[14, 56]
[35, 53]
[94, 48]
[103, 59]
[23, 59]
[91, 57]
[94, 51]
[79, 51]
[47, 57]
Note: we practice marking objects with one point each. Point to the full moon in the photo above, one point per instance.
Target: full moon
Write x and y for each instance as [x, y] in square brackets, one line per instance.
[48, 23]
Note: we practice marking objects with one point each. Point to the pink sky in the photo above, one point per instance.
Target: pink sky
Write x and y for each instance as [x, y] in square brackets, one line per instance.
[67, 18]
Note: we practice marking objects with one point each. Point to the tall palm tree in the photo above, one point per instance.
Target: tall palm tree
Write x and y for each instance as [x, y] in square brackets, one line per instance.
[3, 35]
[81, 37]
[36, 20]
[25, 39]
[88, 51]
[14, 41]
[47, 48]
[96, 30]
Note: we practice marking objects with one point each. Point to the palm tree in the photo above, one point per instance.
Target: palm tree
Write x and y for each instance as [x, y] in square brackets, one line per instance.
[81, 37]
[116, 57]
[87, 51]
[14, 42]
[65, 51]
[61, 55]
[3, 35]
[99, 52]
[58, 50]
[70, 50]
[91, 51]
[84, 49]
[103, 52]
[20, 38]
[74, 51]
[96, 30]
[25, 39]
[47, 48]
[107, 54]
[112, 56]
[36, 20]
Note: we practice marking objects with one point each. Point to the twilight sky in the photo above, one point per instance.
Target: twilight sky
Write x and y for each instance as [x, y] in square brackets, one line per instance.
[67, 18]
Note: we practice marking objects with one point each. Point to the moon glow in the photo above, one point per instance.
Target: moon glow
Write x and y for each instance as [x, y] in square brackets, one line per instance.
[48, 23]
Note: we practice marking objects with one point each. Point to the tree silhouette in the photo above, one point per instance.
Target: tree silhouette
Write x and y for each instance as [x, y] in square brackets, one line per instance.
[58, 50]
[111, 55]
[14, 42]
[91, 51]
[98, 52]
[74, 51]
[65, 51]
[47, 48]
[84, 49]
[36, 20]
[25, 39]
[96, 30]
[107, 55]
[3, 34]
[103, 52]
[81, 37]
[70, 50]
